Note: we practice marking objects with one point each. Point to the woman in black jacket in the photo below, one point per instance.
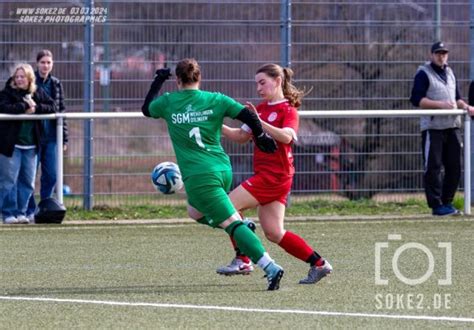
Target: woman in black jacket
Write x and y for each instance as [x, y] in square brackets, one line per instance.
[19, 141]
[47, 152]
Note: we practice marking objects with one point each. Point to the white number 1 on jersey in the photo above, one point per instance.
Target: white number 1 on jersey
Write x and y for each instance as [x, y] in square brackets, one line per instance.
[195, 132]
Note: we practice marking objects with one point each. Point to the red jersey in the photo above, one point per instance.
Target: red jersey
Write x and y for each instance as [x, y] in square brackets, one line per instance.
[280, 114]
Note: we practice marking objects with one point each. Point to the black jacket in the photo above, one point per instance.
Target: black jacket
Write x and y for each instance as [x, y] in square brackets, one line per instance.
[57, 94]
[11, 102]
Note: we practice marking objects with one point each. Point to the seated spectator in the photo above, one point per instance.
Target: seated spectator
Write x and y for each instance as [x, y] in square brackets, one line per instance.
[19, 141]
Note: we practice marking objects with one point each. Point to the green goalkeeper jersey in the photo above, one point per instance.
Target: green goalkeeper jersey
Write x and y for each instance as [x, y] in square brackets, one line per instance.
[194, 120]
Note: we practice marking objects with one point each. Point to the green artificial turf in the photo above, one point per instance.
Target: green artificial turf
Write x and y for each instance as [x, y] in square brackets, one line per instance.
[164, 277]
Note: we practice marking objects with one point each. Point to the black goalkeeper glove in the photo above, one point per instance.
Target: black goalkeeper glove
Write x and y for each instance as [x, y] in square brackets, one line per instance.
[265, 143]
[162, 74]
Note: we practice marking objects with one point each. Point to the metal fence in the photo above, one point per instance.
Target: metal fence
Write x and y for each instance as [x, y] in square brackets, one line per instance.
[352, 54]
[140, 180]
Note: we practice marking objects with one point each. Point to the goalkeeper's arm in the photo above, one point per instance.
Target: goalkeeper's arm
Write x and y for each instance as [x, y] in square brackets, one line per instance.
[236, 134]
[161, 76]
[262, 140]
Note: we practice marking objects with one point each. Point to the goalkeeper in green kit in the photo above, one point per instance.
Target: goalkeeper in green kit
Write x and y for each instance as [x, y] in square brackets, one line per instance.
[194, 119]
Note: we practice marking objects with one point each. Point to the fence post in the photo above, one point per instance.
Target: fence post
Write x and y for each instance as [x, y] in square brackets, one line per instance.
[88, 107]
[59, 161]
[438, 20]
[467, 164]
[471, 87]
[285, 30]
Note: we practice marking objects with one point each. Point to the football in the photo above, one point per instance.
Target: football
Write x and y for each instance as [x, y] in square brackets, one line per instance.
[166, 177]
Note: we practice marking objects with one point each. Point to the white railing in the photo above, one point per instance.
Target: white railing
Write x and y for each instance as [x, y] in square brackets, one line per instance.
[303, 114]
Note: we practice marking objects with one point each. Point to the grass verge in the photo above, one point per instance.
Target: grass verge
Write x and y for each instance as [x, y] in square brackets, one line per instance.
[314, 207]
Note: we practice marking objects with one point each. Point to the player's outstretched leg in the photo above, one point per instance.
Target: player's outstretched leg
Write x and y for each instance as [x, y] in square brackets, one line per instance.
[250, 245]
[241, 264]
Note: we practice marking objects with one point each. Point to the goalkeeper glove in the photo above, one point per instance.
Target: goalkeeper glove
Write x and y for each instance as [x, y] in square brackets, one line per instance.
[266, 143]
[162, 74]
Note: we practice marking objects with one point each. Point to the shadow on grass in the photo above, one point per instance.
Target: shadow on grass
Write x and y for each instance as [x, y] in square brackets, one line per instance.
[149, 289]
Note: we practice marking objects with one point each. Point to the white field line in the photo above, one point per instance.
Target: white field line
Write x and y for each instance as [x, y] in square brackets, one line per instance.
[242, 309]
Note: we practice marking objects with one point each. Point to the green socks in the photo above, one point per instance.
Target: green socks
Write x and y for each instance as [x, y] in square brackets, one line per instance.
[246, 240]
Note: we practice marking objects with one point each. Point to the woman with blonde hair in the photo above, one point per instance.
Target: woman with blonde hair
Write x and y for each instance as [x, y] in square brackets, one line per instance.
[20, 140]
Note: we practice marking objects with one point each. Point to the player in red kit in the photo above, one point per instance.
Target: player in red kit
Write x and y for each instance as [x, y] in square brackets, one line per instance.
[270, 185]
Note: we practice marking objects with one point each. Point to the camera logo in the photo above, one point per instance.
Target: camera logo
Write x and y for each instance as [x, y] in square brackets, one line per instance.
[380, 246]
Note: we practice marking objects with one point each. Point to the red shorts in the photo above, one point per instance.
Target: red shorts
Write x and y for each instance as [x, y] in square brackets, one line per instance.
[268, 188]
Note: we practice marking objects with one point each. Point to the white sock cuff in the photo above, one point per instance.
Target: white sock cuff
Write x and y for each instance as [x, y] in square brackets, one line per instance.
[264, 260]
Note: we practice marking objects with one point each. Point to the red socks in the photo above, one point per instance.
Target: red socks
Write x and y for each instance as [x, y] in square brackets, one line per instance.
[294, 245]
[297, 247]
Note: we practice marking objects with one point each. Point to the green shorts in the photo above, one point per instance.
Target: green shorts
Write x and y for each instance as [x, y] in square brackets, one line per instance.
[207, 193]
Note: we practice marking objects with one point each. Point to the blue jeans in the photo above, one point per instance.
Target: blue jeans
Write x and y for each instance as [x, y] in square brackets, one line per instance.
[47, 157]
[17, 181]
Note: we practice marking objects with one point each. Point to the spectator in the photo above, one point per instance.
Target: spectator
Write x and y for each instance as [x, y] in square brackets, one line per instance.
[47, 153]
[20, 139]
[435, 87]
